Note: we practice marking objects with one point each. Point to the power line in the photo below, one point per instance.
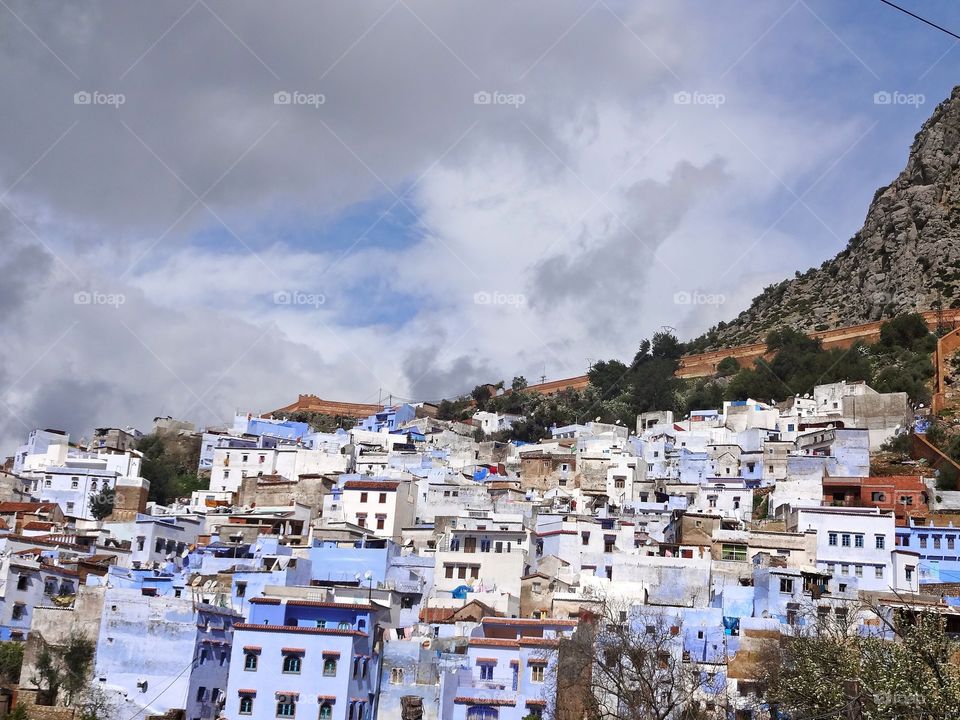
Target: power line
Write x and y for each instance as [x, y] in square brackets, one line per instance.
[160, 694]
[921, 19]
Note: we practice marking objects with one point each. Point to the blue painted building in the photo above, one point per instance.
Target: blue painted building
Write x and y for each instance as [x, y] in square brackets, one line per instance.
[509, 664]
[938, 547]
[305, 659]
[388, 419]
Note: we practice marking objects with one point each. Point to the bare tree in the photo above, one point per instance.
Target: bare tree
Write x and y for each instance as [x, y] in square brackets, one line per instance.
[900, 661]
[627, 662]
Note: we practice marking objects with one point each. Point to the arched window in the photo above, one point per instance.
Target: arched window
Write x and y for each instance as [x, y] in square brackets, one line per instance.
[329, 666]
[326, 711]
[344, 626]
[482, 712]
[291, 663]
[246, 705]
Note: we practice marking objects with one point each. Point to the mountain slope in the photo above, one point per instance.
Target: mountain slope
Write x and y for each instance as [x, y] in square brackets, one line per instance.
[905, 257]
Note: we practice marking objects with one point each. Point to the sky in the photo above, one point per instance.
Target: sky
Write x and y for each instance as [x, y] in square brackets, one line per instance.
[210, 206]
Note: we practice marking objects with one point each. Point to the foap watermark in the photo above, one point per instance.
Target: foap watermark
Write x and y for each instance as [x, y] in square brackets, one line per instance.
[299, 298]
[295, 97]
[895, 97]
[96, 97]
[94, 297]
[494, 97]
[499, 298]
[686, 97]
[684, 297]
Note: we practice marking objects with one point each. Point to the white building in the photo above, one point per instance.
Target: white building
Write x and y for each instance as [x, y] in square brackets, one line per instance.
[383, 506]
[231, 465]
[857, 547]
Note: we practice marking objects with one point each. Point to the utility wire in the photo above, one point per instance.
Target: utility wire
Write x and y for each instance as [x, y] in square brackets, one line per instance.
[921, 19]
[160, 694]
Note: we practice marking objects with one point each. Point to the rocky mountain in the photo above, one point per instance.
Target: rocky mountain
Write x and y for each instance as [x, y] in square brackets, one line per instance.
[905, 257]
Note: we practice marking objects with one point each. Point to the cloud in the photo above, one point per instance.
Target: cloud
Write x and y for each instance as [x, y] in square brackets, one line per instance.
[615, 264]
[403, 196]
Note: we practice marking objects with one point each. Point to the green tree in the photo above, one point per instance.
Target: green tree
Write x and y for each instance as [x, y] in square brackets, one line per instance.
[11, 660]
[905, 672]
[909, 332]
[170, 464]
[61, 671]
[728, 366]
[102, 504]
[609, 377]
[481, 395]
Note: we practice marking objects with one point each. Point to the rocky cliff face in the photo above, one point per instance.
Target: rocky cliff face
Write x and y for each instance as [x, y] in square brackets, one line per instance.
[905, 257]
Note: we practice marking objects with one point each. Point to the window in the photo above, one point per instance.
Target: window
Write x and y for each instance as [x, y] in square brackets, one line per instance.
[908, 570]
[246, 705]
[733, 552]
[383, 497]
[381, 521]
[201, 693]
[291, 664]
[936, 542]
[923, 541]
[858, 541]
[950, 542]
[844, 569]
[486, 671]
[482, 712]
[22, 582]
[448, 571]
[250, 661]
[786, 585]
[585, 538]
[241, 589]
[18, 611]
[363, 497]
[858, 570]
[832, 539]
[878, 572]
[140, 541]
[286, 708]
[906, 499]
[845, 540]
[880, 542]
[536, 673]
[396, 676]
[74, 484]
[244, 458]
[876, 497]
[362, 519]
[330, 666]
[326, 711]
